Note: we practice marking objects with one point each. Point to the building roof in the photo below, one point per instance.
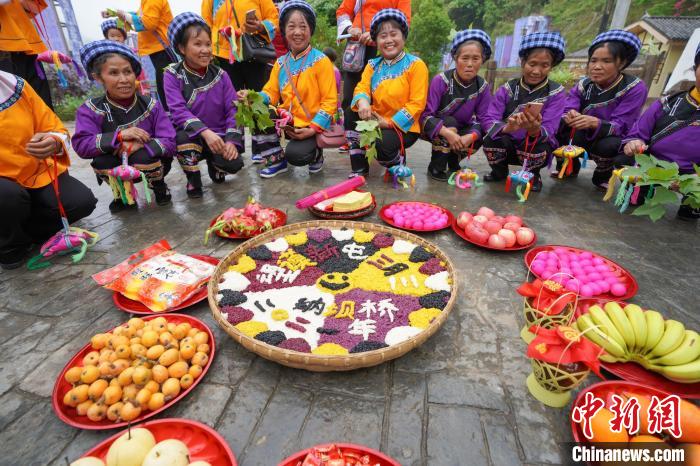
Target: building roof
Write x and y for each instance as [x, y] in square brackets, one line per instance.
[673, 27]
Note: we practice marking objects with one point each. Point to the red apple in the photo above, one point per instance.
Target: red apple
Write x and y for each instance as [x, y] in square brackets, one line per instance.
[464, 219]
[481, 219]
[492, 227]
[508, 236]
[497, 242]
[524, 236]
[499, 219]
[512, 226]
[477, 234]
[514, 219]
[486, 212]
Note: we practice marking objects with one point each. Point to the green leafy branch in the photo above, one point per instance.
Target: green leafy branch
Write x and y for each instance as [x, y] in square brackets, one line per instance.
[666, 182]
[253, 113]
[370, 133]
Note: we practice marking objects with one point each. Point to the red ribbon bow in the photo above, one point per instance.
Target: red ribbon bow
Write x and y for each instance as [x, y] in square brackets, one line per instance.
[563, 345]
[547, 296]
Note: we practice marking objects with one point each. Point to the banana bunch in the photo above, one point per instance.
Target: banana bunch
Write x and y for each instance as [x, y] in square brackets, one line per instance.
[632, 334]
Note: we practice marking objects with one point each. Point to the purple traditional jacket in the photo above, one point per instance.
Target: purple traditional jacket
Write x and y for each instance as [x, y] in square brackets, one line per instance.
[204, 102]
[447, 96]
[671, 129]
[514, 95]
[99, 120]
[617, 107]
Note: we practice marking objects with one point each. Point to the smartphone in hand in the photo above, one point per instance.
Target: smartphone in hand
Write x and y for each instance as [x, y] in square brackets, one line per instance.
[533, 108]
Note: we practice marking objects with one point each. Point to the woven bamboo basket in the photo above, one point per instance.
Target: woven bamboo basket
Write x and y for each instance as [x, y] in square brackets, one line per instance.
[327, 363]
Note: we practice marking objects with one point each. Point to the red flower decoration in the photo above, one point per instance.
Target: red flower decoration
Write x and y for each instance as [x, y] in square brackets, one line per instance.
[547, 296]
[563, 345]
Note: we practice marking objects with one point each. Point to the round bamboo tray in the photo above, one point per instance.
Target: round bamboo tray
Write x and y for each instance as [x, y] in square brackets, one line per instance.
[327, 363]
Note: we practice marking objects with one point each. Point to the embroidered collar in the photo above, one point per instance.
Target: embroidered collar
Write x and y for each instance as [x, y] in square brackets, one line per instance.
[693, 98]
[395, 60]
[460, 83]
[114, 104]
[191, 71]
[301, 54]
[610, 87]
[534, 89]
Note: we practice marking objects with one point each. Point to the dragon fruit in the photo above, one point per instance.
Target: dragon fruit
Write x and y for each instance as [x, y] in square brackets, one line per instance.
[245, 226]
[252, 207]
[266, 219]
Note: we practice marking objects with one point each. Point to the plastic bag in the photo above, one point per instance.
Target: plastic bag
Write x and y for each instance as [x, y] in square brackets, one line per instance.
[157, 277]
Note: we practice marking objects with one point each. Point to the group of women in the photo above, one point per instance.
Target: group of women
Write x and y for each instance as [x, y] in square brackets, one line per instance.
[526, 119]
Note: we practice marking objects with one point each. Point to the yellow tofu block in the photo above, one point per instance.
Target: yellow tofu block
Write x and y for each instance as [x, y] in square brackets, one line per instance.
[352, 201]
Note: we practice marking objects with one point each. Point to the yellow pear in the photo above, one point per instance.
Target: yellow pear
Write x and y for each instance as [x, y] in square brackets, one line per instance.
[131, 448]
[169, 452]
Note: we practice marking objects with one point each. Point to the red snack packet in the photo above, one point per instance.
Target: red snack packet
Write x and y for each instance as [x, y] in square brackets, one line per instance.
[157, 277]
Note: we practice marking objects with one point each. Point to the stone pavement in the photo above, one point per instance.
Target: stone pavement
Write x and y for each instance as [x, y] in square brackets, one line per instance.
[460, 399]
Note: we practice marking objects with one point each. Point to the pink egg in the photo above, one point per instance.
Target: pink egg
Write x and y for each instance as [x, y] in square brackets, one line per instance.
[572, 285]
[418, 224]
[595, 289]
[560, 251]
[601, 268]
[612, 279]
[429, 226]
[586, 291]
[595, 276]
[585, 262]
[399, 222]
[586, 255]
[598, 261]
[603, 285]
[441, 223]
[618, 289]
[538, 267]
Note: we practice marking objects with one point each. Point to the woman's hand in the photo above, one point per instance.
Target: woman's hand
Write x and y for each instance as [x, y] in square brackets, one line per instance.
[355, 33]
[467, 140]
[214, 141]
[634, 147]
[252, 25]
[531, 123]
[242, 94]
[364, 109]
[230, 151]
[453, 140]
[43, 145]
[584, 122]
[300, 133]
[365, 38]
[135, 134]
[383, 124]
[512, 123]
[570, 115]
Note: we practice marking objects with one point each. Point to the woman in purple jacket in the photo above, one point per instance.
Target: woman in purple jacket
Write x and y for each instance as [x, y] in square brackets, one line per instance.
[122, 120]
[201, 99]
[524, 114]
[458, 99]
[603, 106]
[670, 130]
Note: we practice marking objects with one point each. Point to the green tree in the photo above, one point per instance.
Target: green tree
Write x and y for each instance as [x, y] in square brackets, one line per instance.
[430, 29]
[466, 13]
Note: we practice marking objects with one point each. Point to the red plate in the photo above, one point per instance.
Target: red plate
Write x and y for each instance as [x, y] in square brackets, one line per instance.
[281, 220]
[460, 232]
[204, 443]
[375, 457]
[382, 215]
[621, 272]
[135, 307]
[61, 387]
[604, 390]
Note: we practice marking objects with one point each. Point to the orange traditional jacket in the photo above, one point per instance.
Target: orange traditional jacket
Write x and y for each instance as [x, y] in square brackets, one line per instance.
[17, 32]
[314, 79]
[219, 14]
[22, 115]
[151, 22]
[348, 13]
[397, 92]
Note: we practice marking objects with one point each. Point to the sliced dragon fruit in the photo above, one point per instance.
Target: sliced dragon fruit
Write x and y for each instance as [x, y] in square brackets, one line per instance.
[252, 207]
[266, 219]
[245, 226]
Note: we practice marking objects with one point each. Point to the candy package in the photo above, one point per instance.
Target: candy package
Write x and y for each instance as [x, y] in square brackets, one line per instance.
[157, 277]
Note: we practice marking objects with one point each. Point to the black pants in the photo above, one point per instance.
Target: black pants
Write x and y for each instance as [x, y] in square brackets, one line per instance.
[154, 169]
[350, 80]
[602, 150]
[504, 151]
[388, 150]
[160, 60]
[246, 75]
[191, 151]
[22, 65]
[31, 215]
[442, 157]
[301, 152]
